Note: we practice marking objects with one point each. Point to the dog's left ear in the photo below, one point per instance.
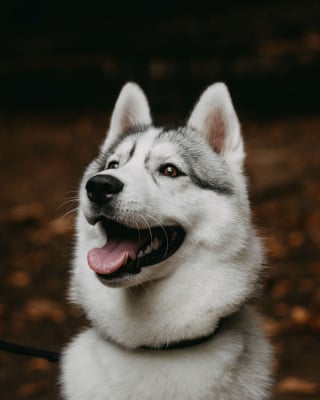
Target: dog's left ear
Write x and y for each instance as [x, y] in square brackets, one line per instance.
[131, 110]
[215, 118]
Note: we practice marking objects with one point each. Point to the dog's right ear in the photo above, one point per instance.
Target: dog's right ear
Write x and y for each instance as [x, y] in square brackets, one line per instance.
[131, 111]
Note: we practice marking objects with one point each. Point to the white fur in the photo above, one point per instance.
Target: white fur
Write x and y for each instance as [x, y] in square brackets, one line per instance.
[211, 276]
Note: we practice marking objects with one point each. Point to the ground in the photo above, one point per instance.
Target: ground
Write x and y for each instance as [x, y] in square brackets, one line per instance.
[42, 159]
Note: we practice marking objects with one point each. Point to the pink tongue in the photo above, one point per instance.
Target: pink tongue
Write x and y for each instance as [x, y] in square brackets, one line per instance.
[112, 255]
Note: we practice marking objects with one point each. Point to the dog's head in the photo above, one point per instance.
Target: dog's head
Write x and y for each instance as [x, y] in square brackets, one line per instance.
[164, 218]
[157, 198]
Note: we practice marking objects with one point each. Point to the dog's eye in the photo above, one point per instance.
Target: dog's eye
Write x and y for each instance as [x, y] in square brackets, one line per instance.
[113, 165]
[169, 170]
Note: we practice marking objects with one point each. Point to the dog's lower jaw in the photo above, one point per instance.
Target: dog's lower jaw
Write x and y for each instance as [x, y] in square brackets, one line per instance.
[131, 282]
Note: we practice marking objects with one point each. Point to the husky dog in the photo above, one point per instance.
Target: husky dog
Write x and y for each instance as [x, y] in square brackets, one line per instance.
[166, 261]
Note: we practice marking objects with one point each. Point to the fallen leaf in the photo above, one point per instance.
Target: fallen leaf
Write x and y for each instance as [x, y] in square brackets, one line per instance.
[32, 389]
[300, 315]
[306, 285]
[37, 364]
[280, 289]
[292, 384]
[281, 309]
[296, 239]
[27, 213]
[38, 309]
[57, 227]
[18, 279]
[276, 247]
[271, 326]
[60, 226]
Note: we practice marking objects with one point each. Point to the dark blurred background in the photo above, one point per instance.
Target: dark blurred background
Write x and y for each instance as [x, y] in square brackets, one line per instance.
[61, 68]
[78, 55]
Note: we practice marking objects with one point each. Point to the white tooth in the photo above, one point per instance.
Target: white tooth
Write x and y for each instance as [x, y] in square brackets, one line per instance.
[148, 250]
[140, 254]
[155, 243]
[126, 258]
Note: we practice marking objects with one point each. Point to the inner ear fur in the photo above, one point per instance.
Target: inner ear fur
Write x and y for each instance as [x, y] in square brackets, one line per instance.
[215, 118]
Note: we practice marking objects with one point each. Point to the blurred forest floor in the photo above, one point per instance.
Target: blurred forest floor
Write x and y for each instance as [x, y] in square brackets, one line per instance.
[41, 162]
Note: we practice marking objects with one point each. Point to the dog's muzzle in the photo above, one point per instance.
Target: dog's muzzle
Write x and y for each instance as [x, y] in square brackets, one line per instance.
[128, 249]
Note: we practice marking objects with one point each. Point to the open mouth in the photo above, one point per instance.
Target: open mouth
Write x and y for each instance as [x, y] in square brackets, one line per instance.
[128, 250]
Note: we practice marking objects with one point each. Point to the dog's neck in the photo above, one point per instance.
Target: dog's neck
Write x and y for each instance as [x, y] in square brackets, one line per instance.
[170, 312]
[182, 344]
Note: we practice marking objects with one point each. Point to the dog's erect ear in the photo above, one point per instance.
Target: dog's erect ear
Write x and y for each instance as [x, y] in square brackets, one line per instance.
[215, 117]
[131, 110]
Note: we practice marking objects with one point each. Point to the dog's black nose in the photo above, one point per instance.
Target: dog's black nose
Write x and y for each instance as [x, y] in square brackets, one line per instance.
[101, 188]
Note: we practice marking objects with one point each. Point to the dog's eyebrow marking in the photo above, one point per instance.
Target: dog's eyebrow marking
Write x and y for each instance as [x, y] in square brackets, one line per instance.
[146, 161]
[133, 148]
[147, 158]
[221, 188]
[200, 177]
[133, 131]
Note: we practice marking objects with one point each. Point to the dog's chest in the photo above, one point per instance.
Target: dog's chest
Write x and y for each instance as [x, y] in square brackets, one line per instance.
[191, 373]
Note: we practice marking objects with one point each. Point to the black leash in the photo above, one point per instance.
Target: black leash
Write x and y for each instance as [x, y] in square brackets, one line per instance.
[55, 356]
[29, 351]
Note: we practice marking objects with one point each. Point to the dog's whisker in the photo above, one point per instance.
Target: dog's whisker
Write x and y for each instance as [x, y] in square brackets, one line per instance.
[148, 226]
[165, 233]
[138, 229]
[70, 213]
[68, 202]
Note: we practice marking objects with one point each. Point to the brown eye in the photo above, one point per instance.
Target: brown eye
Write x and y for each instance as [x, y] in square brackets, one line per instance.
[169, 170]
[113, 165]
